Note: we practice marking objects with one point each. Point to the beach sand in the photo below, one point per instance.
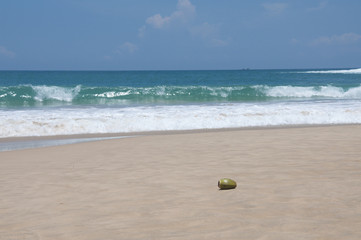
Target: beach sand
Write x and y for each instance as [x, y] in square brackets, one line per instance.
[293, 183]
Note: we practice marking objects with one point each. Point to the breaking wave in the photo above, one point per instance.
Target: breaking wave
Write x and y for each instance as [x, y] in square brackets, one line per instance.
[28, 95]
[63, 121]
[349, 71]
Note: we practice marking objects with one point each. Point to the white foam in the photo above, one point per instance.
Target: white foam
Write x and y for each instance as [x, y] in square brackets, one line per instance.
[349, 71]
[55, 93]
[308, 92]
[112, 94]
[60, 121]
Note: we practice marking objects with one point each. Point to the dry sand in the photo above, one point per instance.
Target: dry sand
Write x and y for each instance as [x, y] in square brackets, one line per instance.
[293, 183]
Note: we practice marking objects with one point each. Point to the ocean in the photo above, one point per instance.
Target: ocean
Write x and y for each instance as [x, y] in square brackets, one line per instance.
[45, 103]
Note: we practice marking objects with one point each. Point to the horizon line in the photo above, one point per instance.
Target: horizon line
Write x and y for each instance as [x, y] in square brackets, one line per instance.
[165, 70]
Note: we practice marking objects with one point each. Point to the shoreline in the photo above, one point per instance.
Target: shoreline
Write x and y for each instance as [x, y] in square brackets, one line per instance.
[29, 142]
[40, 143]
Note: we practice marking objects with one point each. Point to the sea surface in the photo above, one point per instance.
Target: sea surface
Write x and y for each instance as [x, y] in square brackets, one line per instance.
[43, 103]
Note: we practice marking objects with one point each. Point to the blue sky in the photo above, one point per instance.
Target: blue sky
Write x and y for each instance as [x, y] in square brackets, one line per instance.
[179, 34]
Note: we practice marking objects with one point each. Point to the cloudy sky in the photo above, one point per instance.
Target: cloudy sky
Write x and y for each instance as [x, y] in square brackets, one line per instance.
[179, 34]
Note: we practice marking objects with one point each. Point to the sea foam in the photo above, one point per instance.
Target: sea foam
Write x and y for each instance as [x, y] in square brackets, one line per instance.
[55, 93]
[310, 92]
[349, 71]
[60, 121]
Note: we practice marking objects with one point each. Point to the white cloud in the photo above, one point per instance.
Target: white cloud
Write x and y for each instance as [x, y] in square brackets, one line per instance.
[6, 52]
[127, 47]
[274, 8]
[157, 21]
[185, 11]
[320, 6]
[345, 38]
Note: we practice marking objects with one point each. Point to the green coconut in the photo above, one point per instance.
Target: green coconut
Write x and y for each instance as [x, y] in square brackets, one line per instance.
[226, 183]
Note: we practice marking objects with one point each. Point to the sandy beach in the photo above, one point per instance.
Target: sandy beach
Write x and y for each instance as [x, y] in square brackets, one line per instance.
[293, 183]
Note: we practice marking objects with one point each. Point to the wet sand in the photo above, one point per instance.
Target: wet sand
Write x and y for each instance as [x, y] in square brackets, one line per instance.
[293, 183]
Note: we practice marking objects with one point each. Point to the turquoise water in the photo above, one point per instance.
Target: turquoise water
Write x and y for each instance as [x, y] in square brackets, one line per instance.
[42, 88]
[71, 102]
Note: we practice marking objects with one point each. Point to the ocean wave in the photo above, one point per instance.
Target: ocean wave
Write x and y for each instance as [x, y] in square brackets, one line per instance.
[55, 93]
[312, 92]
[349, 71]
[28, 95]
[63, 121]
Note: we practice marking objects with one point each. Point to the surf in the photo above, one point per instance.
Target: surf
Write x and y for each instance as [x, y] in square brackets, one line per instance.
[74, 120]
[28, 95]
[348, 71]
